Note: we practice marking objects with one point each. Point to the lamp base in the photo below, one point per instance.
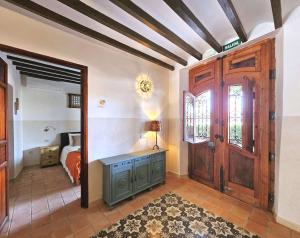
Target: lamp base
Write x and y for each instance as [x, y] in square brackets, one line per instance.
[156, 147]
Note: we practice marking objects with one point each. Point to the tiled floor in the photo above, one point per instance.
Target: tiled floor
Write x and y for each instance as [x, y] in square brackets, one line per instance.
[45, 204]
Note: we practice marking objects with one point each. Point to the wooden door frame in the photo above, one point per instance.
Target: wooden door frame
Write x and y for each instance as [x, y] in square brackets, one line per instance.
[266, 168]
[83, 109]
[6, 149]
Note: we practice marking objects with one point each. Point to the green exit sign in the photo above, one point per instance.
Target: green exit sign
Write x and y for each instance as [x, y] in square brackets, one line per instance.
[232, 44]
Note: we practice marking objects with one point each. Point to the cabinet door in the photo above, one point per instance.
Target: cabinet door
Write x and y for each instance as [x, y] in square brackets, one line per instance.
[122, 180]
[142, 173]
[158, 168]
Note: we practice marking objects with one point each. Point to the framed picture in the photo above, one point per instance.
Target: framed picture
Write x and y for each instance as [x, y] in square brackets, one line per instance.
[74, 100]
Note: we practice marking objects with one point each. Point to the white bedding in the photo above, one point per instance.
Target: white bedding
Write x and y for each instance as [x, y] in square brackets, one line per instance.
[63, 158]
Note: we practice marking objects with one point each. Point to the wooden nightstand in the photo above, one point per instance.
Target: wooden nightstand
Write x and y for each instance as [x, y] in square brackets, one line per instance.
[49, 155]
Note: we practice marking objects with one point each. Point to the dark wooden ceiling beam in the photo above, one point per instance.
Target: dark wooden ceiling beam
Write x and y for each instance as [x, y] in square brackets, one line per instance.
[53, 16]
[47, 73]
[32, 62]
[276, 10]
[187, 15]
[111, 23]
[234, 19]
[44, 69]
[46, 77]
[148, 20]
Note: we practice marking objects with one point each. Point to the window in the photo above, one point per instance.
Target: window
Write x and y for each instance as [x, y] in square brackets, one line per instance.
[202, 116]
[197, 117]
[189, 117]
[74, 100]
[235, 114]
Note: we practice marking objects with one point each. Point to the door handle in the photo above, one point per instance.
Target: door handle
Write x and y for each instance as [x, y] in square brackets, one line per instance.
[212, 145]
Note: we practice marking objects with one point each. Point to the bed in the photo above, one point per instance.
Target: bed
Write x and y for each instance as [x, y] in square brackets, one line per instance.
[70, 155]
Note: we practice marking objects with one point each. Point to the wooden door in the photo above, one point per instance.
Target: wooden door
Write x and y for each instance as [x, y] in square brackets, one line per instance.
[3, 143]
[202, 123]
[246, 124]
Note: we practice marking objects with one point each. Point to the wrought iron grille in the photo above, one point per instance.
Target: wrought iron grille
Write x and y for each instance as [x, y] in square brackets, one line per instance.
[203, 116]
[235, 114]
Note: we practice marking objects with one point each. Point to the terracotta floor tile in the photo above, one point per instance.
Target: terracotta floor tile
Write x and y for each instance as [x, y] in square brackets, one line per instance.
[78, 222]
[295, 234]
[256, 228]
[260, 217]
[277, 230]
[231, 217]
[85, 232]
[43, 203]
[42, 231]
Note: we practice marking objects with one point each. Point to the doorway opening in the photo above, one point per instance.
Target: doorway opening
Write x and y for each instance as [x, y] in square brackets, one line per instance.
[68, 142]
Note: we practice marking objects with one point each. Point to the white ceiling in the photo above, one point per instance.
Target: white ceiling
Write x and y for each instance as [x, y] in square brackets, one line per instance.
[209, 12]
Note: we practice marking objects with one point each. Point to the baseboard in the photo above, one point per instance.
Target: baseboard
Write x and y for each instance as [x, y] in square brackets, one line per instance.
[177, 174]
[291, 225]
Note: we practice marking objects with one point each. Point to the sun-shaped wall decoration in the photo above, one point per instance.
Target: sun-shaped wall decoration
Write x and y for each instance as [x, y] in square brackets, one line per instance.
[144, 86]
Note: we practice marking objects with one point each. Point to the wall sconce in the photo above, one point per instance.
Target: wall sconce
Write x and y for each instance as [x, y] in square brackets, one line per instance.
[102, 103]
[17, 105]
[144, 86]
[47, 128]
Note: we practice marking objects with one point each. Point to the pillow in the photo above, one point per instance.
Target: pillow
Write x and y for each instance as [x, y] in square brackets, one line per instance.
[76, 140]
[71, 137]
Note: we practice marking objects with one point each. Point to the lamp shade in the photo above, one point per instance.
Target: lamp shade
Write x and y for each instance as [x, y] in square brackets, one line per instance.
[155, 126]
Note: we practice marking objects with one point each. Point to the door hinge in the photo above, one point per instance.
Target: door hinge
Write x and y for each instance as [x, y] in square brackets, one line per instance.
[222, 83]
[222, 184]
[271, 198]
[271, 116]
[272, 74]
[271, 157]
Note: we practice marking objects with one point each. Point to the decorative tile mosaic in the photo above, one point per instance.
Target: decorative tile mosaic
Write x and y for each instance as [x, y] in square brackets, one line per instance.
[172, 216]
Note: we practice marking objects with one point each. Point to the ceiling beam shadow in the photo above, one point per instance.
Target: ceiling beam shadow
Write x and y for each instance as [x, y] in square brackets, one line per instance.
[44, 65]
[47, 73]
[44, 69]
[234, 19]
[53, 16]
[46, 77]
[111, 23]
[155, 25]
[189, 18]
[276, 10]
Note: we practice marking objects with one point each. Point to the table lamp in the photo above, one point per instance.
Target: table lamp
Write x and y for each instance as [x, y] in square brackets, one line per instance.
[155, 126]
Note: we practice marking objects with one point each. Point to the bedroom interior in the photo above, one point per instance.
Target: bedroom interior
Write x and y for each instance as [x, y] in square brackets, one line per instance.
[124, 118]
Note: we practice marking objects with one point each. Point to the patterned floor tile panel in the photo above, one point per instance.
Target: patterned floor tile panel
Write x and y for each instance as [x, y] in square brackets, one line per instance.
[172, 216]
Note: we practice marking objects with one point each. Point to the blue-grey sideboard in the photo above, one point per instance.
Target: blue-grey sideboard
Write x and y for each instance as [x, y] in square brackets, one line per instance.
[128, 174]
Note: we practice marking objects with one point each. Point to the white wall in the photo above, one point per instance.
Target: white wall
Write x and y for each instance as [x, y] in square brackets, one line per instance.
[288, 126]
[118, 127]
[44, 103]
[15, 131]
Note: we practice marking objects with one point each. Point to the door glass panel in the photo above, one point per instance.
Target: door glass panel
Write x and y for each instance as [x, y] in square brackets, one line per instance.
[203, 116]
[189, 118]
[235, 115]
